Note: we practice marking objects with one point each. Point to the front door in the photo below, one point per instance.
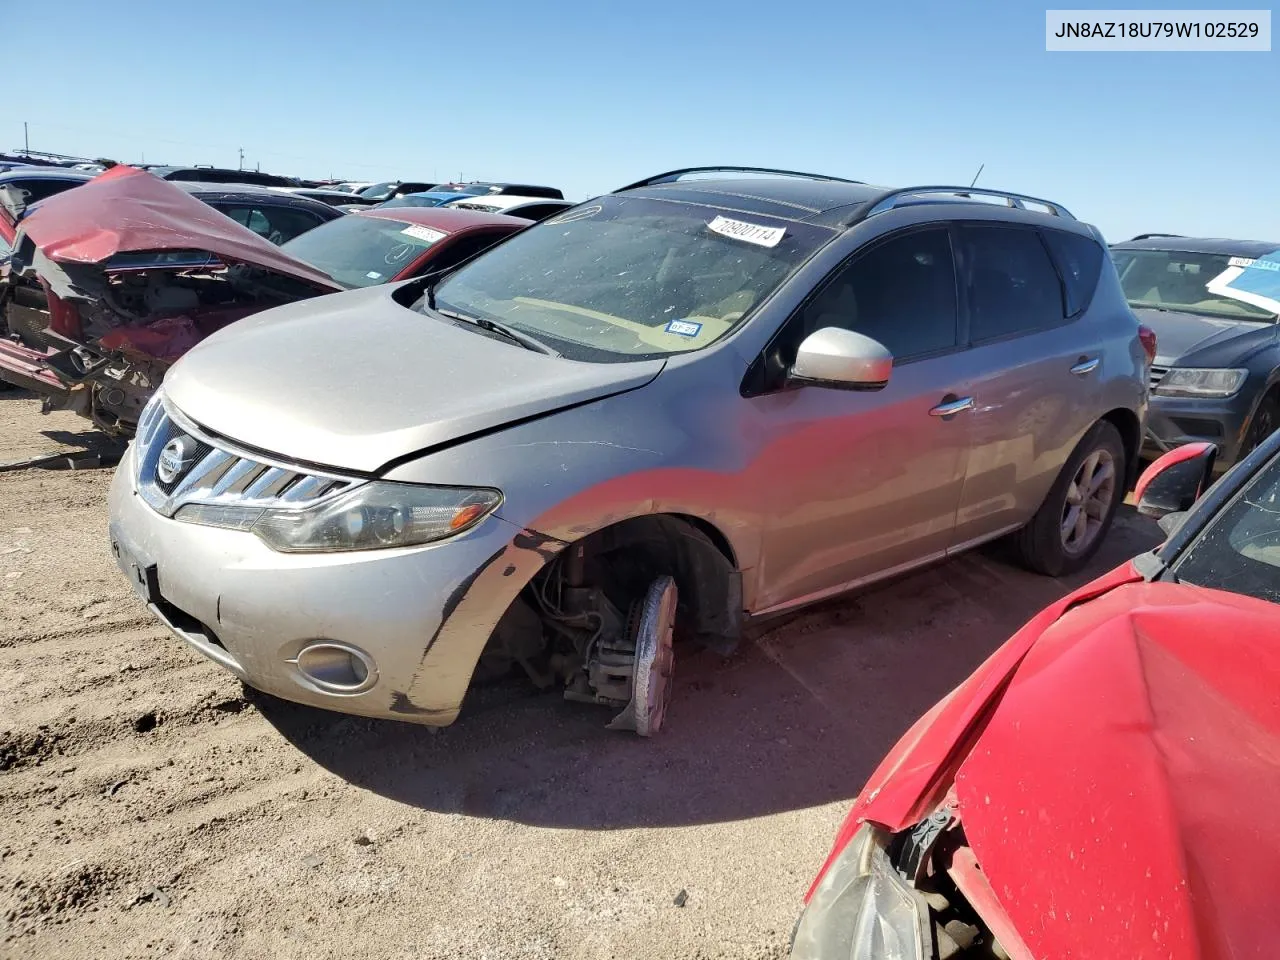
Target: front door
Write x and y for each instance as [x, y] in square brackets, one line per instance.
[863, 483]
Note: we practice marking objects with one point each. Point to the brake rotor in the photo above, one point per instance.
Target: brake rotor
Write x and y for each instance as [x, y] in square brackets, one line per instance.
[654, 661]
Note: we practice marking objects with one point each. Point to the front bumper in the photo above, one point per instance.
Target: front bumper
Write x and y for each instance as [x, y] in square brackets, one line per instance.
[421, 615]
[1173, 421]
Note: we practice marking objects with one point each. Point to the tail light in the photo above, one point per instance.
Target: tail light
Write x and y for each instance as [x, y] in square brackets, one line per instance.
[1148, 338]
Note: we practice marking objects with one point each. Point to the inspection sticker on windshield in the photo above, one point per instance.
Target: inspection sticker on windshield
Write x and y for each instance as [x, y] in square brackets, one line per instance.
[1241, 262]
[425, 234]
[750, 232]
[684, 328]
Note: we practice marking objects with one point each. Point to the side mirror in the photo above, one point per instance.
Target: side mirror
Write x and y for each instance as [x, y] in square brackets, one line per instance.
[834, 357]
[1175, 481]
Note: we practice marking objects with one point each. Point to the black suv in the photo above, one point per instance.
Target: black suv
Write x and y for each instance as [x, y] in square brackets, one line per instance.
[1213, 305]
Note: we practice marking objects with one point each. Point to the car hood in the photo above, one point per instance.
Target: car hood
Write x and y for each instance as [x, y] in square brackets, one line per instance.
[1114, 794]
[357, 380]
[1188, 339]
[127, 210]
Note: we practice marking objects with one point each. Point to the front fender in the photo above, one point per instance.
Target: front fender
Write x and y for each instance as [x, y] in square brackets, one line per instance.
[651, 451]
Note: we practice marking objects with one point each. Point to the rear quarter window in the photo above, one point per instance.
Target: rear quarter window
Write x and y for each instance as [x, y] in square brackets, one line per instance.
[1012, 285]
[1079, 262]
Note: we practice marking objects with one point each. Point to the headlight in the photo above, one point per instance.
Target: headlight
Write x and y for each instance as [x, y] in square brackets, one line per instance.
[862, 909]
[1190, 382]
[371, 517]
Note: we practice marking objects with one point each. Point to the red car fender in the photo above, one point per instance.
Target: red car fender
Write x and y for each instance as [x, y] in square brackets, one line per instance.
[912, 778]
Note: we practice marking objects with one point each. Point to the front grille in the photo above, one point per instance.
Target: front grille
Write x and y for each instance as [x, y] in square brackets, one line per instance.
[169, 431]
[1157, 374]
[219, 473]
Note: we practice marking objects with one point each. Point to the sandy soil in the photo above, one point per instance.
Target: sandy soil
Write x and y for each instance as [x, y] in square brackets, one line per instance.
[149, 806]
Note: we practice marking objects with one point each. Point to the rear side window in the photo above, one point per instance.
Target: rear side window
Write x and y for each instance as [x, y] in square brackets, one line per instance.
[537, 211]
[38, 189]
[1012, 285]
[1079, 261]
[277, 224]
[288, 222]
[901, 292]
[464, 248]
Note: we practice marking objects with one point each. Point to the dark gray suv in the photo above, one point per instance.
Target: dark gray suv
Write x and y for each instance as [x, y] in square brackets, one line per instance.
[1213, 305]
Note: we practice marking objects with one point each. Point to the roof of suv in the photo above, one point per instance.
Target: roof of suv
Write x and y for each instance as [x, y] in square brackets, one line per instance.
[45, 173]
[827, 201]
[1232, 248]
[788, 198]
[252, 191]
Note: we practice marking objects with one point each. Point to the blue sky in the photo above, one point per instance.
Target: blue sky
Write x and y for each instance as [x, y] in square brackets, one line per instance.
[589, 96]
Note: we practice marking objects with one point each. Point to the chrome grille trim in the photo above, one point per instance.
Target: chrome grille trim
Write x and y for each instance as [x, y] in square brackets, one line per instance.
[308, 488]
[225, 474]
[1157, 374]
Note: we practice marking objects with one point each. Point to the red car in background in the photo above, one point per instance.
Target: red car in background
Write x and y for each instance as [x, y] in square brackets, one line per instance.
[368, 247]
[1098, 788]
[135, 271]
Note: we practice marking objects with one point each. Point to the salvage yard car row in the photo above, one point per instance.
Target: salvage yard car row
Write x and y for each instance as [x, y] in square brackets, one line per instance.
[564, 451]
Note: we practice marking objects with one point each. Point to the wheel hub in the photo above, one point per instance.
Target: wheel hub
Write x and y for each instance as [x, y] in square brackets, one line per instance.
[1089, 497]
[654, 661]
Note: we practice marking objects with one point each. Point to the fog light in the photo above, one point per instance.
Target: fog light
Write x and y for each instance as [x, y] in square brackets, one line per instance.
[336, 667]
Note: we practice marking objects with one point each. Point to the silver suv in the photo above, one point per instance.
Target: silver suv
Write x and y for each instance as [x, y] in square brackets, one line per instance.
[710, 396]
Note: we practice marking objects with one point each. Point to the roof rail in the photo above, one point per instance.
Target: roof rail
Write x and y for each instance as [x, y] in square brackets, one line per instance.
[1150, 236]
[671, 176]
[911, 195]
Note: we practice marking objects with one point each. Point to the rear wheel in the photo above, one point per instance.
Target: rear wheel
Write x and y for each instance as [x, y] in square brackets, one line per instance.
[1073, 521]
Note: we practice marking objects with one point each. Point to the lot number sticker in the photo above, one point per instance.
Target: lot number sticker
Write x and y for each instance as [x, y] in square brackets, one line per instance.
[684, 328]
[425, 234]
[750, 232]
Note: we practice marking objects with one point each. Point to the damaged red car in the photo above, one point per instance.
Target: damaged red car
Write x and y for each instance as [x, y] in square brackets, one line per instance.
[136, 271]
[1097, 788]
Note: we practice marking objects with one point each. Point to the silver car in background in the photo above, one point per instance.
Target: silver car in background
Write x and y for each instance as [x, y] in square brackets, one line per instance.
[714, 395]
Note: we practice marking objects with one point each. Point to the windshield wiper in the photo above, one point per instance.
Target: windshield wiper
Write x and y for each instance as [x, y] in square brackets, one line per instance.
[493, 326]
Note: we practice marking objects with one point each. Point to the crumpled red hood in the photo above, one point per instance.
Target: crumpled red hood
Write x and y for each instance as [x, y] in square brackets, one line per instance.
[127, 210]
[1114, 764]
[1119, 800]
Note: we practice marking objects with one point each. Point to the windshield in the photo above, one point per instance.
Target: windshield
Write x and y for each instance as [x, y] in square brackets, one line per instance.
[1240, 549]
[360, 251]
[469, 188]
[379, 191]
[417, 200]
[623, 278]
[1173, 280]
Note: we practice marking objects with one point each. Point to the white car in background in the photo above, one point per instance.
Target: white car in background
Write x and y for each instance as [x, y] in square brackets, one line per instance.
[527, 208]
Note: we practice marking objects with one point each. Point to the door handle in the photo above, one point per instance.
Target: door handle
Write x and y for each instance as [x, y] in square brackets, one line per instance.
[1085, 366]
[949, 408]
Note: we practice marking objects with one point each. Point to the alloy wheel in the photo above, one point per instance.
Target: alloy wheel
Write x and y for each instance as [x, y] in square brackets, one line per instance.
[1089, 498]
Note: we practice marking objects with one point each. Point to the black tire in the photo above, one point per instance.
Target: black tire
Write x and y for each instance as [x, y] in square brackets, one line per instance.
[1266, 420]
[1040, 544]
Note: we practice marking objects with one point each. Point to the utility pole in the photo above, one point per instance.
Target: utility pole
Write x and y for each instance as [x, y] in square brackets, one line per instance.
[241, 167]
[26, 142]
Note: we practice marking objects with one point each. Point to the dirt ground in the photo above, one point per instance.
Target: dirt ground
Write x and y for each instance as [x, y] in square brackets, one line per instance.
[149, 806]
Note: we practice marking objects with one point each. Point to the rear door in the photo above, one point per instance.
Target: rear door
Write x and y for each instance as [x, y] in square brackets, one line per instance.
[1035, 363]
[863, 483]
